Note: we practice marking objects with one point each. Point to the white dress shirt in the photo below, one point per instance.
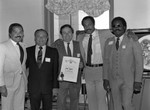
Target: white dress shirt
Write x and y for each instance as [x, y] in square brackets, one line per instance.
[70, 45]
[37, 50]
[96, 57]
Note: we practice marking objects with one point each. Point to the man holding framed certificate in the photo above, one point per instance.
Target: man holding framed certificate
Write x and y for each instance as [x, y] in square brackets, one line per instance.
[70, 65]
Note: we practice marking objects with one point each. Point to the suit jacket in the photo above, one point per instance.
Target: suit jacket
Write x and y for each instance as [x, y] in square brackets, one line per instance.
[103, 35]
[59, 44]
[127, 62]
[11, 69]
[42, 79]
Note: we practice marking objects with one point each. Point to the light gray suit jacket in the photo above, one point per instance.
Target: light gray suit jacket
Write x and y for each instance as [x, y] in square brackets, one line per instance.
[129, 61]
[11, 69]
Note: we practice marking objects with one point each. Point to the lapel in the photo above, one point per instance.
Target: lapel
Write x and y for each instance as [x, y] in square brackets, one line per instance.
[59, 44]
[102, 40]
[33, 55]
[13, 52]
[62, 48]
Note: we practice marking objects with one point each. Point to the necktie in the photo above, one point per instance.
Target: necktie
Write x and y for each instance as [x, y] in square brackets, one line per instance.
[117, 43]
[39, 57]
[21, 53]
[89, 51]
[68, 49]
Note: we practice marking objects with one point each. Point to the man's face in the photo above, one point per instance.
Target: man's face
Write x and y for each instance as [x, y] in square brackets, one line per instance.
[88, 26]
[17, 34]
[118, 28]
[41, 38]
[67, 34]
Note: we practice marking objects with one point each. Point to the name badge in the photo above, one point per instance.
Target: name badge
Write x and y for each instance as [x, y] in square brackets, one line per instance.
[47, 60]
[78, 55]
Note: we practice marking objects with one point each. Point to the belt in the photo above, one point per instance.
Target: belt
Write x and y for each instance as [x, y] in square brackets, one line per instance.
[94, 65]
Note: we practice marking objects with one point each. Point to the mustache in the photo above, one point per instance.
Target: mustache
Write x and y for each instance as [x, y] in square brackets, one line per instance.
[19, 36]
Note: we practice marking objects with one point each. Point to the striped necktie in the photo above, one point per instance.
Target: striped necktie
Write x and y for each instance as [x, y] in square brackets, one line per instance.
[39, 57]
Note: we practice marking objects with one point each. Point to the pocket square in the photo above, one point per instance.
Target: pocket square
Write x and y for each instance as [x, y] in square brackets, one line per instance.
[47, 59]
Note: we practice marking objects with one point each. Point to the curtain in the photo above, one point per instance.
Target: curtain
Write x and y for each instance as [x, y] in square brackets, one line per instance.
[65, 7]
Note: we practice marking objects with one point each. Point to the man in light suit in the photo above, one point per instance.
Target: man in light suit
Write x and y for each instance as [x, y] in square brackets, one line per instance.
[42, 62]
[123, 65]
[68, 88]
[93, 71]
[12, 69]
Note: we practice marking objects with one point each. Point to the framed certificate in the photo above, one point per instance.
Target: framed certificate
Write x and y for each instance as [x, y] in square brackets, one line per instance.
[69, 69]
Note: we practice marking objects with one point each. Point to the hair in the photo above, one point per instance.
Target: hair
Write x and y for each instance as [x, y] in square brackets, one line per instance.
[88, 17]
[38, 30]
[120, 19]
[64, 26]
[14, 25]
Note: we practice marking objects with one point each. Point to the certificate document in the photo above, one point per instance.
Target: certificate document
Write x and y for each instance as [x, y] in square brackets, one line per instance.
[69, 69]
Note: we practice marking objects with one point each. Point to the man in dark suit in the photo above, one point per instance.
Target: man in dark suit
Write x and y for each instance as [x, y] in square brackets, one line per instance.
[68, 88]
[42, 62]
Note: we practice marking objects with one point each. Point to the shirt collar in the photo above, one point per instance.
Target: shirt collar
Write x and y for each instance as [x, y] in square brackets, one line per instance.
[120, 38]
[44, 46]
[94, 34]
[14, 43]
[68, 42]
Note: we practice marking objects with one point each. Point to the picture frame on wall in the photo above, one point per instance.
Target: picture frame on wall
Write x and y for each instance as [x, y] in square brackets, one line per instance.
[144, 39]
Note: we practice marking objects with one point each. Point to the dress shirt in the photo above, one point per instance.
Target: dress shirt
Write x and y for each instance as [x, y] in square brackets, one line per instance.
[70, 45]
[120, 39]
[16, 46]
[43, 51]
[96, 57]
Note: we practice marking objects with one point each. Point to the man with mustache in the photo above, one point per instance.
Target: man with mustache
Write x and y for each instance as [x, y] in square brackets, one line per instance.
[123, 65]
[12, 69]
[93, 68]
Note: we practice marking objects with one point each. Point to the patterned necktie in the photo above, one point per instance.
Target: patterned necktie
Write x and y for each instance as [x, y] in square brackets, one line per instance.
[89, 51]
[21, 53]
[117, 43]
[39, 57]
[68, 49]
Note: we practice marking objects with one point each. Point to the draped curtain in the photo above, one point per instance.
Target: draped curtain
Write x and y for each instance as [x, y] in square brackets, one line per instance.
[65, 7]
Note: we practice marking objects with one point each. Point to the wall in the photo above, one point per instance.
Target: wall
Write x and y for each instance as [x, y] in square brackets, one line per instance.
[136, 12]
[29, 13]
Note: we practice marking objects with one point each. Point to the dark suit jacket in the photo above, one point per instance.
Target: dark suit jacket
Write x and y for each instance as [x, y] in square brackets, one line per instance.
[42, 79]
[59, 44]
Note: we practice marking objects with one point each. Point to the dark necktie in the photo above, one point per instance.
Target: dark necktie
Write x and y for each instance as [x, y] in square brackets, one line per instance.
[89, 51]
[21, 53]
[117, 43]
[39, 57]
[68, 49]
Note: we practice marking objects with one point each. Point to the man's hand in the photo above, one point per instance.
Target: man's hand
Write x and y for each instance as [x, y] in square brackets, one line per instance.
[81, 65]
[3, 91]
[55, 91]
[106, 85]
[137, 87]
